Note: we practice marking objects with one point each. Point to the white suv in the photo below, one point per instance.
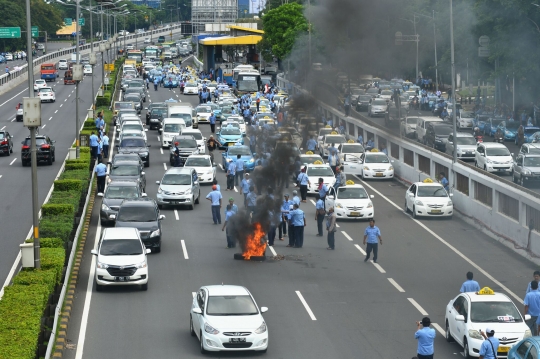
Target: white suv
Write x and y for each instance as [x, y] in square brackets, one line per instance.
[121, 259]
[62, 64]
[493, 157]
[464, 144]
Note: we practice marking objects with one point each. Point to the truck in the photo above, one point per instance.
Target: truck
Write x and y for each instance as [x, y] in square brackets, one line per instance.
[184, 111]
[130, 63]
[68, 78]
[48, 72]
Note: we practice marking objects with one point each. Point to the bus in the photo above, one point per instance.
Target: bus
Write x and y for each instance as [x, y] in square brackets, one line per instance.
[151, 52]
[136, 55]
[48, 72]
[239, 68]
[247, 81]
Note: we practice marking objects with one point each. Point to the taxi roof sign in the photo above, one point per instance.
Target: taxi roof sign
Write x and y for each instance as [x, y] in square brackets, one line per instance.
[318, 162]
[327, 126]
[309, 152]
[486, 291]
[350, 141]
[349, 182]
[374, 150]
[334, 133]
[429, 180]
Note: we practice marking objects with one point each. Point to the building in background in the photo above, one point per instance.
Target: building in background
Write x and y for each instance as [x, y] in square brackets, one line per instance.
[156, 4]
[243, 8]
[256, 6]
[213, 12]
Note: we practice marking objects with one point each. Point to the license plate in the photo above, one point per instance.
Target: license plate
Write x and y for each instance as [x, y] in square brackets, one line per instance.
[355, 214]
[379, 174]
[237, 340]
[435, 211]
[121, 279]
[230, 144]
[503, 349]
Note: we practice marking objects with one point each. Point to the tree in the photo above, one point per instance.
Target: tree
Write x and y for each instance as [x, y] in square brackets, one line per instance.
[282, 26]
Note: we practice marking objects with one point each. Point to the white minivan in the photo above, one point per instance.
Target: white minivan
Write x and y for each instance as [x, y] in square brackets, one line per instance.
[493, 157]
[421, 126]
[171, 127]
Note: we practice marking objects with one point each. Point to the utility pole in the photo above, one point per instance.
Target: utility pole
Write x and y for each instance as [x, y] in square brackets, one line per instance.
[77, 61]
[454, 159]
[92, 51]
[436, 69]
[102, 49]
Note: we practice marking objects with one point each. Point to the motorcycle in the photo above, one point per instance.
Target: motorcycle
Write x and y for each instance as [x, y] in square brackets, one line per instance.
[498, 137]
[479, 138]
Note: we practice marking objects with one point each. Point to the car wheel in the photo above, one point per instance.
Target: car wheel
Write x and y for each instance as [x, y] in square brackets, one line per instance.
[144, 287]
[406, 208]
[54, 156]
[521, 181]
[466, 349]
[99, 288]
[147, 163]
[49, 160]
[485, 168]
[198, 198]
[447, 334]
[191, 331]
[192, 205]
[157, 249]
[160, 206]
[414, 213]
[203, 351]
[9, 151]
[24, 163]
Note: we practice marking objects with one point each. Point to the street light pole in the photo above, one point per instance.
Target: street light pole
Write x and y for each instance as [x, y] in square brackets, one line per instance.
[92, 51]
[435, 40]
[454, 155]
[102, 52]
[77, 61]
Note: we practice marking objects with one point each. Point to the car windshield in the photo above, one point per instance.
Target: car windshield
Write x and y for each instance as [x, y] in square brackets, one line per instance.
[121, 192]
[530, 131]
[531, 161]
[467, 115]
[323, 171]
[132, 97]
[121, 247]
[496, 122]
[335, 139]
[377, 158]
[175, 179]
[513, 126]
[483, 118]
[137, 214]
[198, 162]
[204, 109]
[352, 149]
[465, 141]
[231, 131]
[231, 305]
[379, 103]
[133, 126]
[158, 111]
[431, 191]
[196, 135]
[310, 159]
[494, 312]
[352, 193]
[239, 150]
[386, 93]
[497, 152]
[186, 143]
[191, 85]
[373, 90]
[125, 170]
[45, 89]
[132, 142]
[412, 120]
[172, 127]
[443, 130]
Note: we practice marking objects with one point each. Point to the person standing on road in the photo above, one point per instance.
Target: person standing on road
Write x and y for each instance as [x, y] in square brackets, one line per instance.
[105, 143]
[372, 236]
[101, 174]
[215, 198]
[176, 155]
[536, 277]
[231, 174]
[333, 158]
[94, 145]
[426, 338]
[311, 144]
[303, 180]
[239, 169]
[298, 221]
[341, 178]
[285, 208]
[319, 216]
[532, 307]
[156, 83]
[251, 200]
[470, 285]
[229, 212]
[330, 227]
[323, 189]
[296, 199]
[490, 346]
[212, 120]
[244, 187]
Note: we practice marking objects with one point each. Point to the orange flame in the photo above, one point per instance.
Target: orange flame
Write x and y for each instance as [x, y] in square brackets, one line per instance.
[255, 246]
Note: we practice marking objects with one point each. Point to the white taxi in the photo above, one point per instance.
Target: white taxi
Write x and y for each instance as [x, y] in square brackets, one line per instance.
[46, 94]
[333, 138]
[319, 170]
[203, 113]
[349, 155]
[38, 84]
[470, 312]
[376, 165]
[202, 164]
[191, 88]
[239, 120]
[87, 70]
[350, 202]
[428, 199]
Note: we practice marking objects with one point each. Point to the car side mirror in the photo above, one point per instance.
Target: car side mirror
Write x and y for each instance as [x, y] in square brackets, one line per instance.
[451, 195]
[148, 251]
[264, 309]
[162, 216]
[143, 195]
[371, 196]
[460, 318]
[197, 310]
[146, 108]
[392, 161]
[157, 182]
[94, 252]
[145, 130]
[527, 317]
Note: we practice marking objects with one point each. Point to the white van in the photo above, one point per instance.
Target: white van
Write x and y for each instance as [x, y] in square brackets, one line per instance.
[421, 126]
[171, 127]
[184, 111]
[198, 136]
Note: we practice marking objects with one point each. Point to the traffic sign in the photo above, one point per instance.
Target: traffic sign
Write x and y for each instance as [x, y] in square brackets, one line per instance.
[483, 51]
[10, 32]
[483, 41]
[35, 31]
[81, 21]
[68, 21]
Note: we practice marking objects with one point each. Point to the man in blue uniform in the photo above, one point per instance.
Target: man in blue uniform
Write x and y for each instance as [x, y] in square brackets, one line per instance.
[215, 198]
[470, 285]
[372, 236]
[298, 221]
[101, 174]
[426, 337]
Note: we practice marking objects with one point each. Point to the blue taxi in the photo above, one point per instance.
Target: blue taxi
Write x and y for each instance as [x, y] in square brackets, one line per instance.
[509, 129]
[529, 133]
[230, 135]
[170, 82]
[231, 155]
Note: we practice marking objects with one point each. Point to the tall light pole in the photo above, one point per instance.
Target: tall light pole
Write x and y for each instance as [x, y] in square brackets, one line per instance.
[92, 50]
[454, 159]
[435, 46]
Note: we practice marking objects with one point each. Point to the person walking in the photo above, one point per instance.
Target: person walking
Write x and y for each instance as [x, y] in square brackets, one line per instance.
[229, 212]
[274, 221]
[94, 145]
[105, 143]
[319, 216]
[239, 170]
[444, 181]
[176, 155]
[303, 180]
[298, 221]
[331, 227]
[372, 236]
[536, 277]
[426, 338]
[244, 187]
[470, 285]
[251, 200]
[215, 198]
[285, 208]
[295, 199]
[490, 346]
[341, 178]
[311, 144]
[323, 189]
[234, 207]
[231, 174]
[212, 120]
[532, 307]
[101, 174]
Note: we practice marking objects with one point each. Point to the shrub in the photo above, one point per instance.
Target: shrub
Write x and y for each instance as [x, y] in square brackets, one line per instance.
[53, 259]
[77, 166]
[66, 197]
[68, 185]
[103, 101]
[57, 226]
[47, 277]
[80, 175]
[22, 307]
[50, 242]
[57, 209]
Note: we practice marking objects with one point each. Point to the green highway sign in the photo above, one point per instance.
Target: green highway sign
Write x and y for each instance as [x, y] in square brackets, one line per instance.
[81, 21]
[35, 31]
[68, 21]
[10, 32]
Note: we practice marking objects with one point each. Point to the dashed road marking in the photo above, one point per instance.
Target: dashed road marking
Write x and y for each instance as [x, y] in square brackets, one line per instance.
[2, 129]
[184, 249]
[56, 111]
[378, 266]
[417, 306]
[439, 329]
[13, 161]
[161, 150]
[50, 118]
[398, 287]
[360, 249]
[347, 236]
[176, 215]
[312, 201]
[44, 126]
[308, 309]
[165, 166]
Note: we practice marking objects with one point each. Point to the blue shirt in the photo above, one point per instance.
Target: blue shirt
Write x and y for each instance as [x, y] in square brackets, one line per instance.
[370, 143]
[470, 286]
[323, 191]
[231, 168]
[229, 214]
[245, 185]
[251, 199]
[319, 204]
[239, 165]
[360, 140]
[311, 144]
[532, 299]
[286, 206]
[425, 337]
[296, 217]
[101, 170]
[303, 178]
[528, 288]
[373, 235]
[93, 141]
[97, 122]
[105, 140]
[296, 200]
[212, 120]
[234, 209]
[215, 196]
[486, 349]
[445, 183]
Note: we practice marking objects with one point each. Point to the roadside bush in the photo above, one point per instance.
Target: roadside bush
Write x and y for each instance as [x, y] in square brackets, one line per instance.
[47, 277]
[81, 175]
[56, 226]
[68, 185]
[53, 259]
[66, 197]
[57, 209]
[103, 100]
[76, 166]
[48, 242]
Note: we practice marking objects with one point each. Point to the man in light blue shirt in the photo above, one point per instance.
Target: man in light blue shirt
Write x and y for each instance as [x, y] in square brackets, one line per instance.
[360, 140]
[297, 219]
[426, 337]
[490, 346]
[231, 173]
[234, 207]
[101, 174]
[244, 187]
[319, 216]
[215, 198]
[94, 144]
[105, 143]
[251, 199]
[372, 236]
[212, 120]
[323, 189]
[296, 199]
[311, 144]
[532, 307]
[303, 180]
[470, 285]
[239, 169]
[229, 212]
[536, 276]
[370, 144]
[285, 208]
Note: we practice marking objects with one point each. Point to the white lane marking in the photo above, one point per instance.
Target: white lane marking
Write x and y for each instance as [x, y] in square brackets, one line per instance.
[50, 118]
[12, 120]
[312, 201]
[14, 97]
[165, 166]
[66, 99]
[176, 215]
[184, 249]
[439, 329]
[61, 104]
[44, 126]
[378, 266]
[417, 306]
[158, 138]
[398, 287]
[346, 235]
[337, 225]
[56, 111]
[13, 161]
[0, 176]
[360, 249]
[87, 300]
[308, 309]
[467, 259]
[2, 129]
[221, 166]
[161, 150]
[272, 250]
[235, 189]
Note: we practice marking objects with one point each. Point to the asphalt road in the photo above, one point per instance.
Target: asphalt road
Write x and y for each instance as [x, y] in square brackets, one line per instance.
[51, 47]
[358, 309]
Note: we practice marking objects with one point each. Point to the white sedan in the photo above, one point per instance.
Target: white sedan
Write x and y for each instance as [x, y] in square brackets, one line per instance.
[87, 70]
[428, 199]
[315, 172]
[147, 40]
[376, 165]
[38, 84]
[470, 312]
[202, 164]
[203, 113]
[191, 88]
[349, 155]
[227, 318]
[350, 202]
[46, 94]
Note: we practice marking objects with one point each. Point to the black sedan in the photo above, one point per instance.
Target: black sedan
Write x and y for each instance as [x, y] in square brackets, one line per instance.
[45, 150]
[6, 143]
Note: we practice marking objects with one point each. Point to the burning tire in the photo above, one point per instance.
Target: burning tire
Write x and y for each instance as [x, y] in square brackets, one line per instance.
[241, 257]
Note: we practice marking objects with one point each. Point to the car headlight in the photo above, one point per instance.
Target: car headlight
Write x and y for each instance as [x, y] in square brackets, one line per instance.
[475, 334]
[209, 172]
[391, 168]
[188, 191]
[104, 207]
[155, 233]
[228, 160]
[527, 172]
[159, 190]
[418, 203]
[251, 160]
[527, 334]
[338, 205]
[210, 329]
[144, 154]
[489, 161]
[507, 132]
[261, 329]
[370, 205]
[102, 265]
[141, 265]
[366, 168]
[449, 203]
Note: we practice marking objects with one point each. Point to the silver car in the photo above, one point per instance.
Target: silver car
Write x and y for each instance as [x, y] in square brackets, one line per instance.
[179, 187]
[464, 144]
[377, 107]
[526, 168]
